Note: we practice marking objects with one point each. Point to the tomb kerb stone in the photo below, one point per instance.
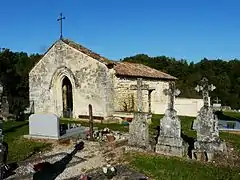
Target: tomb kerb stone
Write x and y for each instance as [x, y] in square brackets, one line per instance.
[206, 125]
[169, 140]
[138, 128]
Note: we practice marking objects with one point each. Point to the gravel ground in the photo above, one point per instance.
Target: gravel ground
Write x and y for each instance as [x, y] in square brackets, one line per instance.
[123, 173]
[89, 158]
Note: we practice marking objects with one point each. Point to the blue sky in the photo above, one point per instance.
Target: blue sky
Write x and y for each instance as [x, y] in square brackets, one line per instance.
[189, 29]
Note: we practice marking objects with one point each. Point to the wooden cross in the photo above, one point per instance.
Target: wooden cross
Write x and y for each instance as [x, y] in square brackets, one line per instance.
[172, 92]
[205, 88]
[139, 87]
[60, 19]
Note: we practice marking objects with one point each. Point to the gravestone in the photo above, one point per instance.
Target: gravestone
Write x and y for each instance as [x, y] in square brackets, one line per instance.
[169, 140]
[206, 125]
[47, 126]
[138, 128]
[44, 125]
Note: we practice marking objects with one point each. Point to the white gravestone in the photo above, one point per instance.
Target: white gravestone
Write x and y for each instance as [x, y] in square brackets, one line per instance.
[44, 125]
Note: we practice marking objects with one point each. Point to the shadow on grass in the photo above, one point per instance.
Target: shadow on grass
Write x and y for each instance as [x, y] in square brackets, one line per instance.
[190, 141]
[14, 128]
[157, 128]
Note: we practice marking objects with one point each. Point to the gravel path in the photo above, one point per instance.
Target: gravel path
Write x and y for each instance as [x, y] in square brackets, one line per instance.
[89, 158]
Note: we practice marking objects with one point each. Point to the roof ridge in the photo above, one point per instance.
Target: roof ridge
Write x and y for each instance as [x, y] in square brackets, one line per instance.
[138, 69]
[87, 51]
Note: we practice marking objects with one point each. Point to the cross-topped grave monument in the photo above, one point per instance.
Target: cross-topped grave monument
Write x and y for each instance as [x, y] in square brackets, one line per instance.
[138, 128]
[206, 125]
[139, 87]
[205, 88]
[169, 140]
[171, 92]
[217, 100]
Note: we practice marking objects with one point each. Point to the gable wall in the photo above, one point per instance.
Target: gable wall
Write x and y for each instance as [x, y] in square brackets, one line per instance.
[91, 81]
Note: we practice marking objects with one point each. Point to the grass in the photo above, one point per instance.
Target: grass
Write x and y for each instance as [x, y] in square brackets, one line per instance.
[18, 147]
[235, 115]
[160, 167]
[186, 124]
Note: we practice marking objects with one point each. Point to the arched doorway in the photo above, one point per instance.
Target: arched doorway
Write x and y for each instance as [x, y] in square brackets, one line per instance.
[67, 97]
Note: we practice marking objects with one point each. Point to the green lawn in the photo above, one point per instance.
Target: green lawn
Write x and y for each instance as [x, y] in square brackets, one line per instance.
[235, 115]
[160, 167]
[18, 147]
[186, 123]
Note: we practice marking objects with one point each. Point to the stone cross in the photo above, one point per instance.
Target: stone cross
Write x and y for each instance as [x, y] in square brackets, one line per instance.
[205, 88]
[172, 92]
[60, 19]
[217, 100]
[139, 87]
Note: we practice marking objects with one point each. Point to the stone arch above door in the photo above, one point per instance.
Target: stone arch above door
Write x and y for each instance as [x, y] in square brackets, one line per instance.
[60, 73]
[55, 88]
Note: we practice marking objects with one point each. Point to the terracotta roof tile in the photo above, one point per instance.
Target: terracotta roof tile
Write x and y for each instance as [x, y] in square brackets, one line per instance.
[87, 51]
[140, 70]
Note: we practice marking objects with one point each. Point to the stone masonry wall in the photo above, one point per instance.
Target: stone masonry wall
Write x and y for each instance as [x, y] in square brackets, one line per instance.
[92, 82]
[125, 97]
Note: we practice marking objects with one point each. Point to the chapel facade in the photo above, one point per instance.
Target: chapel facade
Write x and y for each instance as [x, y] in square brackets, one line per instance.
[69, 77]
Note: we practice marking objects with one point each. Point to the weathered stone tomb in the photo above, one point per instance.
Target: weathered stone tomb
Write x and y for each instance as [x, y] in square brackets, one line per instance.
[206, 125]
[169, 139]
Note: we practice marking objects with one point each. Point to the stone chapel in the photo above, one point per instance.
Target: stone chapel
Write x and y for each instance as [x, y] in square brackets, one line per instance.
[69, 77]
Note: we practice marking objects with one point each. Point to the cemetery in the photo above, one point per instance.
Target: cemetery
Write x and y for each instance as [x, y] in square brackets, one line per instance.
[75, 149]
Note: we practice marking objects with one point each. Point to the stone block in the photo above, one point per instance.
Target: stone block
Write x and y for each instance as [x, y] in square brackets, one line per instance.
[170, 150]
[46, 125]
[139, 132]
[170, 141]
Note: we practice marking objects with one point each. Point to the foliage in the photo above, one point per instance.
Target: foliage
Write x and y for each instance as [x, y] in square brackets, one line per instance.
[14, 70]
[20, 148]
[225, 75]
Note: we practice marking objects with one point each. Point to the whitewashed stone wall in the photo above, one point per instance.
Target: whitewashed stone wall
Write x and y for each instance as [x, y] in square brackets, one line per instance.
[92, 82]
[126, 96]
[188, 106]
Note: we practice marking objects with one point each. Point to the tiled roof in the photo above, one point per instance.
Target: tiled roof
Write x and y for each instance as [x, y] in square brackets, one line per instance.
[140, 70]
[87, 51]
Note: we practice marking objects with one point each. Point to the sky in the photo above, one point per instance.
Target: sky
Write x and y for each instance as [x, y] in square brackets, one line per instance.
[183, 29]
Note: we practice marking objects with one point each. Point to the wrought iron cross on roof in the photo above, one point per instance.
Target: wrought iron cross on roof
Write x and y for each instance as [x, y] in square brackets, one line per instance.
[60, 19]
[172, 92]
[139, 87]
[205, 88]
